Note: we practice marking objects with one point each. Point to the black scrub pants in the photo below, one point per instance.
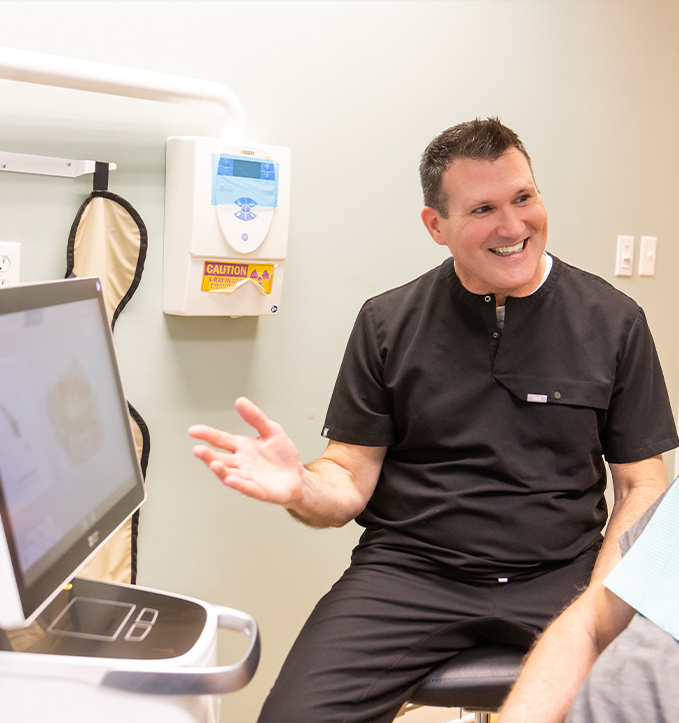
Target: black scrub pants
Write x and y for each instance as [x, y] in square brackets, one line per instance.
[381, 629]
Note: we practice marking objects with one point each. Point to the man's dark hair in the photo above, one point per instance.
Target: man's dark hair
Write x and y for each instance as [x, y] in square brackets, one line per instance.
[484, 140]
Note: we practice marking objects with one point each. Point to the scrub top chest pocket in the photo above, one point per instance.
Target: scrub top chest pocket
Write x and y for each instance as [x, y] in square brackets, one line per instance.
[558, 390]
[561, 413]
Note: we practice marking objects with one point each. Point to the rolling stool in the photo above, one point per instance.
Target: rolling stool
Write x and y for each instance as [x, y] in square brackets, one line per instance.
[478, 680]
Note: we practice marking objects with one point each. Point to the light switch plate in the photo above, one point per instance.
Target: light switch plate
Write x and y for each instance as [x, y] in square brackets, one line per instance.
[625, 256]
[647, 255]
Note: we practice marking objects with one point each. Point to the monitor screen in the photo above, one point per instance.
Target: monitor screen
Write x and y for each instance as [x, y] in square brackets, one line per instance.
[68, 467]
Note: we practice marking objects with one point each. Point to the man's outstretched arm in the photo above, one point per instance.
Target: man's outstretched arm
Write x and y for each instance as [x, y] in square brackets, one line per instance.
[563, 657]
[326, 493]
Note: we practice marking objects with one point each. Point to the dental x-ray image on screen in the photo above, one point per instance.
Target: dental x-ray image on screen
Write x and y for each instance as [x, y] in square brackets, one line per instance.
[69, 475]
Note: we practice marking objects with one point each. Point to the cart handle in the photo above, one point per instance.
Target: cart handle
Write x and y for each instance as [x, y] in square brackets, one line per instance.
[197, 681]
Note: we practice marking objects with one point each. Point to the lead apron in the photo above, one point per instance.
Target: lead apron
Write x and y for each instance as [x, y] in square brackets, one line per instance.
[108, 239]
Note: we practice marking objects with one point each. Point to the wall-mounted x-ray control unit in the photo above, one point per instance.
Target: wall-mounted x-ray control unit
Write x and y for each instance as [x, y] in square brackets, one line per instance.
[226, 227]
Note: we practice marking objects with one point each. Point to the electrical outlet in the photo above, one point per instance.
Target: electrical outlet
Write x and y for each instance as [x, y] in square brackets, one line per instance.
[10, 262]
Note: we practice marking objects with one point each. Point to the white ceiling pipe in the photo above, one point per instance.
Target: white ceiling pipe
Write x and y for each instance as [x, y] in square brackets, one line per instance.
[55, 70]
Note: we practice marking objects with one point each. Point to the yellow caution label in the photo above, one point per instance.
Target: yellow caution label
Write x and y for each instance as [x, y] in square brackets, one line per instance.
[224, 277]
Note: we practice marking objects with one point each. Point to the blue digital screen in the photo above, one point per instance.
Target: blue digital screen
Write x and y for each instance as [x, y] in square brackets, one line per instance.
[242, 168]
[247, 169]
[235, 178]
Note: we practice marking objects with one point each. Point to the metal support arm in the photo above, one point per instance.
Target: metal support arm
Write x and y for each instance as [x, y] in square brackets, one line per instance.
[43, 69]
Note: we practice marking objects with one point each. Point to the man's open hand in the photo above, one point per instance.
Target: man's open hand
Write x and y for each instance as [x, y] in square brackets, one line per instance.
[266, 468]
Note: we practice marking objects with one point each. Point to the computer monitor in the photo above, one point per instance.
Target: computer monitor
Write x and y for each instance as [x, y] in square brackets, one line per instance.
[69, 475]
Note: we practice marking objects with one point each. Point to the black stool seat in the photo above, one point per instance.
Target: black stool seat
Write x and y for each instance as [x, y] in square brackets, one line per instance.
[475, 679]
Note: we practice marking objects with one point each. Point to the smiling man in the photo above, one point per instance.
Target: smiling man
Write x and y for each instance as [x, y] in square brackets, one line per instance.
[467, 434]
[492, 219]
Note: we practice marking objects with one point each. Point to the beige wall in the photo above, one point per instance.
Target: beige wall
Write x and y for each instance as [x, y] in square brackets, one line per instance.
[356, 90]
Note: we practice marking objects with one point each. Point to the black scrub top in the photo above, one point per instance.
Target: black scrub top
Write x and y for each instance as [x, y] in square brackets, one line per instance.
[496, 438]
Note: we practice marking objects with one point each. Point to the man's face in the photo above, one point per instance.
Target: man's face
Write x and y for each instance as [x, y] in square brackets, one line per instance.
[496, 228]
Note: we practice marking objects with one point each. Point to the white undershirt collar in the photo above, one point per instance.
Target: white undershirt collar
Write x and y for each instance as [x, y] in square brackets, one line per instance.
[500, 310]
